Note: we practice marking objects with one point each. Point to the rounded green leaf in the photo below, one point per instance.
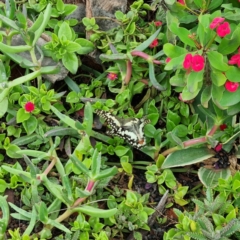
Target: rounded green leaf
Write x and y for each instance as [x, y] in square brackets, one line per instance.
[22, 115]
[30, 125]
[70, 62]
[216, 61]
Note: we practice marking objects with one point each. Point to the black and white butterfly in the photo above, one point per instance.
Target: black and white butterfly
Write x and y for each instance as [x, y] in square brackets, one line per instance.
[129, 129]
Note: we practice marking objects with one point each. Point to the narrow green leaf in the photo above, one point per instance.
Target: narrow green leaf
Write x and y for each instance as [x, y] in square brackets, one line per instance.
[188, 156]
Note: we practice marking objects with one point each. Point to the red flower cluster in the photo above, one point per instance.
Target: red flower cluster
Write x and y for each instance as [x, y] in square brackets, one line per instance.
[223, 28]
[196, 62]
[154, 43]
[29, 107]
[231, 86]
[158, 24]
[112, 76]
[235, 59]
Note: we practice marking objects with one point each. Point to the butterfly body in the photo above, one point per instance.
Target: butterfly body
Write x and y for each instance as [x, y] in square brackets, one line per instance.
[130, 129]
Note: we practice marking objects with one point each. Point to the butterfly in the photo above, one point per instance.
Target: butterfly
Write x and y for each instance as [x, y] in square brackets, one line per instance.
[129, 129]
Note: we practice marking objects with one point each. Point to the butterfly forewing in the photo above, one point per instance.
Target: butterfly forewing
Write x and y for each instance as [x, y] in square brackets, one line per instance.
[131, 129]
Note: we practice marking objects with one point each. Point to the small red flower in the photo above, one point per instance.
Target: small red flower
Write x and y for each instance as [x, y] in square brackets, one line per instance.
[168, 59]
[29, 107]
[216, 21]
[181, 2]
[235, 59]
[187, 63]
[218, 148]
[223, 127]
[154, 43]
[158, 23]
[197, 63]
[231, 86]
[112, 76]
[223, 29]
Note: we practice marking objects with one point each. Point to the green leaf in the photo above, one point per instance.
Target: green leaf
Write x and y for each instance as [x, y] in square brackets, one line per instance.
[96, 212]
[218, 78]
[12, 151]
[182, 33]
[206, 96]
[64, 31]
[127, 167]
[70, 122]
[214, 4]
[153, 79]
[22, 115]
[228, 46]
[86, 46]
[230, 98]
[70, 61]
[173, 51]
[121, 151]
[88, 118]
[233, 74]
[188, 156]
[210, 178]
[38, 31]
[216, 61]
[30, 125]
[4, 106]
[72, 47]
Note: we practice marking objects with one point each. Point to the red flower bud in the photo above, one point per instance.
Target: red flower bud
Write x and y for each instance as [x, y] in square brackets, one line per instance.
[112, 76]
[154, 43]
[158, 23]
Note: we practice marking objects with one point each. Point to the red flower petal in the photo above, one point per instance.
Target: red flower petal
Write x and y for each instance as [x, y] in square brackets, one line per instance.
[197, 63]
[216, 21]
[187, 63]
[223, 29]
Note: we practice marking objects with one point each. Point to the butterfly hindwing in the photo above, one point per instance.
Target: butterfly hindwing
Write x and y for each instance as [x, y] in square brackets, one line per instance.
[131, 129]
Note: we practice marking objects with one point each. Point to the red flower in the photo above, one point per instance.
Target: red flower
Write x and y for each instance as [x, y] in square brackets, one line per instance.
[29, 107]
[187, 63]
[223, 29]
[218, 148]
[112, 76]
[235, 59]
[231, 86]
[154, 43]
[223, 127]
[158, 24]
[168, 59]
[197, 63]
[181, 2]
[216, 21]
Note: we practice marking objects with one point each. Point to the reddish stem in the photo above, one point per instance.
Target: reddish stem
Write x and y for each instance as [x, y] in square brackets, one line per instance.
[145, 56]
